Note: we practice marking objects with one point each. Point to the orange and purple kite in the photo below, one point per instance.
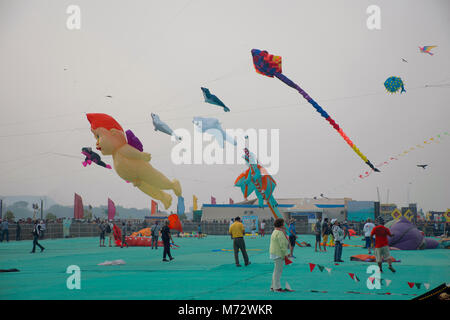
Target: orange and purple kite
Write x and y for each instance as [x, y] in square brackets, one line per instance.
[270, 66]
[426, 49]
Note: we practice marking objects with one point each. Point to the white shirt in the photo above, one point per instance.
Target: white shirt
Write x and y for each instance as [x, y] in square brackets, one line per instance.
[368, 229]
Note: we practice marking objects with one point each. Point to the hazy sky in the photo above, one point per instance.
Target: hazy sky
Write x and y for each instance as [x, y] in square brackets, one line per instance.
[153, 56]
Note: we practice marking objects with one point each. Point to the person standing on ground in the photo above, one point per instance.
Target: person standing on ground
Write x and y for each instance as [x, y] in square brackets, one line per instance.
[262, 231]
[155, 234]
[166, 237]
[367, 229]
[237, 231]
[292, 237]
[199, 231]
[5, 230]
[43, 229]
[345, 227]
[18, 230]
[381, 233]
[109, 232]
[317, 231]
[325, 233]
[278, 252]
[102, 229]
[124, 235]
[339, 235]
[36, 234]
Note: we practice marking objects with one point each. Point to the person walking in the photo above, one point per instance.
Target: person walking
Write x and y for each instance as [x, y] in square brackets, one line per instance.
[124, 235]
[338, 235]
[278, 252]
[237, 231]
[367, 230]
[18, 230]
[166, 237]
[36, 234]
[155, 234]
[317, 231]
[381, 233]
[5, 230]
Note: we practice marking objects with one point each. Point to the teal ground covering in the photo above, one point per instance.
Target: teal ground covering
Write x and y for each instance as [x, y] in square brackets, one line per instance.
[199, 271]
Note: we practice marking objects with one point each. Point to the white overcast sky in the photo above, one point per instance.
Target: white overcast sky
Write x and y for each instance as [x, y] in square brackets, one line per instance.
[153, 56]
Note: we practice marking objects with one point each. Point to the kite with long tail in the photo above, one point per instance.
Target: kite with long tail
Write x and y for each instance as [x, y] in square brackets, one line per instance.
[270, 66]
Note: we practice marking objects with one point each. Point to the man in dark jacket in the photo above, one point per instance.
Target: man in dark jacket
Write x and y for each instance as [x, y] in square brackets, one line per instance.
[166, 237]
[36, 233]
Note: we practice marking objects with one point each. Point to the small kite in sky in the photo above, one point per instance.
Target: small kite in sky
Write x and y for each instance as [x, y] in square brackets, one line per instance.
[394, 84]
[109, 96]
[404, 60]
[270, 66]
[426, 49]
[210, 98]
[91, 156]
[162, 126]
[423, 166]
[213, 127]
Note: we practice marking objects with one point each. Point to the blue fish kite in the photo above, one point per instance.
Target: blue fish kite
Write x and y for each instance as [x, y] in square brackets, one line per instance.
[213, 127]
[210, 98]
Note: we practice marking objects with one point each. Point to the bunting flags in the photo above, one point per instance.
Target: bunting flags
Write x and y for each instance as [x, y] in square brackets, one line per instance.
[111, 209]
[78, 211]
[154, 207]
[287, 261]
[311, 266]
[418, 285]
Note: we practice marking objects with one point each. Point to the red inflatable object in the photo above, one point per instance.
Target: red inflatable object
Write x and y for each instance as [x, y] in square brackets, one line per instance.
[368, 258]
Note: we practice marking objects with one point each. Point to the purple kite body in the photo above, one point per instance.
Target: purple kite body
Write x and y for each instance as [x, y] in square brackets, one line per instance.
[406, 236]
[134, 141]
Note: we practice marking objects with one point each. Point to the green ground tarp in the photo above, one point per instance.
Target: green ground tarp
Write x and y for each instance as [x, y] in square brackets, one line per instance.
[201, 270]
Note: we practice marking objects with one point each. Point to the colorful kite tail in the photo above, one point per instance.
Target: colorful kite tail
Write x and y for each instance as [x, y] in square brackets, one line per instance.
[327, 117]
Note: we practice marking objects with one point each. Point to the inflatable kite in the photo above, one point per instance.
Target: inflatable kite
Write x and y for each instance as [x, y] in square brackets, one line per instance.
[426, 49]
[406, 236]
[163, 127]
[212, 99]
[130, 163]
[368, 258]
[394, 84]
[270, 66]
[213, 127]
[94, 157]
[252, 180]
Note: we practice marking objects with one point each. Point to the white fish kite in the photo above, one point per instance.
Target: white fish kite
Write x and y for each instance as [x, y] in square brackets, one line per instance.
[162, 126]
[213, 127]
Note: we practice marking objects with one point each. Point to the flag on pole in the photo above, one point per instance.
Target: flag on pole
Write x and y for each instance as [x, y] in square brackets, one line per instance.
[213, 200]
[180, 205]
[111, 209]
[195, 205]
[78, 207]
[154, 207]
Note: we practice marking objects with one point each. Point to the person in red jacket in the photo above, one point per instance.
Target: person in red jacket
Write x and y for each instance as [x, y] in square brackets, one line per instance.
[381, 234]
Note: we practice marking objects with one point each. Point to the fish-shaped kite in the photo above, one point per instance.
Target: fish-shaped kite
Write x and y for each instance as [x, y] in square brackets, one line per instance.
[162, 126]
[270, 66]
[394, 84]
[210, 98]
[426, 49]
[213, 126]
[92, 156]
